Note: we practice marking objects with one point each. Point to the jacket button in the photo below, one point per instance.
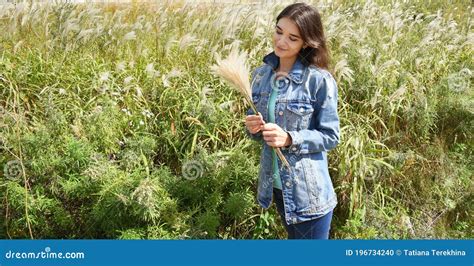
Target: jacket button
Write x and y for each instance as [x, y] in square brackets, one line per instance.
[293, 149]
[288, 184]
[280, 113]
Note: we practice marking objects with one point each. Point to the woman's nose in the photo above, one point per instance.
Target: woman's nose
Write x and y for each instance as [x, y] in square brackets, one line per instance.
[282, 42]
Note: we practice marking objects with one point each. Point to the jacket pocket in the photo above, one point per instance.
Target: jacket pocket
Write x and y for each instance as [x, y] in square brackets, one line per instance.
[298, 115]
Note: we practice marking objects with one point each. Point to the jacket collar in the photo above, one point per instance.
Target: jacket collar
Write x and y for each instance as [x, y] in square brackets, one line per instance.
[296, 72]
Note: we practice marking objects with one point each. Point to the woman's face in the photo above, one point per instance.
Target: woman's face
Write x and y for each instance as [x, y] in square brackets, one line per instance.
[287, 41]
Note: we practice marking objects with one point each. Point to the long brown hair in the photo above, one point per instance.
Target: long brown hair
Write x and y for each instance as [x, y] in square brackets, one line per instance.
[308, 20]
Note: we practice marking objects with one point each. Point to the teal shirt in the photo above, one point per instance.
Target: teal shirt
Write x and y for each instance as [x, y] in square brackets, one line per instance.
[271, 118]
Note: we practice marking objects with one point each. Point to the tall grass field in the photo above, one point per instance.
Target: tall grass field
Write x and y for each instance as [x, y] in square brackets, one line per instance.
[112, 124]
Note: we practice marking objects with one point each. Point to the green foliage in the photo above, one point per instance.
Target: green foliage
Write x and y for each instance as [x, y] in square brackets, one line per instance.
[208, 222]
[239, 205]
[267, 226]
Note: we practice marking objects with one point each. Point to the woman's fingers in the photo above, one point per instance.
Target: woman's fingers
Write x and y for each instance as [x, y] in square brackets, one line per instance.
[267, 135]
[260, 117]
[254, 123]
[271, 127]
[273, 135]
[256, 129]
[271, 132]
[253, 120]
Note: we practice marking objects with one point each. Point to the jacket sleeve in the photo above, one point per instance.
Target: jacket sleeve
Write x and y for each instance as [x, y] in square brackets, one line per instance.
[257, 136]
[325, 135]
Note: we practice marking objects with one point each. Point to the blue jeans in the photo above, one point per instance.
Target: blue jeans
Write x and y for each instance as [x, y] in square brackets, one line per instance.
[313, 229]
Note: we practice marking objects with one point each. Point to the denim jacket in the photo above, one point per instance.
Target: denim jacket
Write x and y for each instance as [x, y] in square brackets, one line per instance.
[306, 108]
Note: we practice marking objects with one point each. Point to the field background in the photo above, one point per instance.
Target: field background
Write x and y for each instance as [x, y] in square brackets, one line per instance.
[112, 126]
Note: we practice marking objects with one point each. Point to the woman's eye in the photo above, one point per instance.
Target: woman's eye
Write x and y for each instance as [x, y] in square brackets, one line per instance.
[280, 33]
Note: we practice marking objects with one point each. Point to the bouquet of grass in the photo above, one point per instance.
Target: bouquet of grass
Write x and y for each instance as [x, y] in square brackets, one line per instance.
[234, 70]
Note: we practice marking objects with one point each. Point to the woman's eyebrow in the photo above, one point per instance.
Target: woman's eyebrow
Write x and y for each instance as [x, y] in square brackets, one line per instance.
[296, 36]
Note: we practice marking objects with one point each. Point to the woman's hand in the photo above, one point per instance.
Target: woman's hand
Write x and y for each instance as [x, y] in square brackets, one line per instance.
[254, 123]
[275, 136]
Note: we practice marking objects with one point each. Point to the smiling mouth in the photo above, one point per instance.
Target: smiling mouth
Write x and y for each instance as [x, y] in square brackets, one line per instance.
[281, 49]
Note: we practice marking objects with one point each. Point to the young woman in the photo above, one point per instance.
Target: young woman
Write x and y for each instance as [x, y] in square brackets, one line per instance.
[296, 98]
